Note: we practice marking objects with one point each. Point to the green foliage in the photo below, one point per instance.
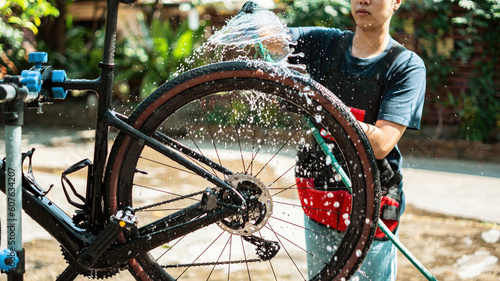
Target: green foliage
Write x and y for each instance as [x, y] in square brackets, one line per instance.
[143, 61]
[480, 110]
[146, 60]
[240, 113]
[26, 13]
[318, 13]
[478, 24]
[16, 16]
[83, 52]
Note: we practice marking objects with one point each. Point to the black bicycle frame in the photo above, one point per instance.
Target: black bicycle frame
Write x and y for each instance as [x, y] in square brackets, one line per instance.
[73, 238]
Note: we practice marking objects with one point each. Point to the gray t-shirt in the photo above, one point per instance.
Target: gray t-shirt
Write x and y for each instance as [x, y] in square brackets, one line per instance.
[404, 83]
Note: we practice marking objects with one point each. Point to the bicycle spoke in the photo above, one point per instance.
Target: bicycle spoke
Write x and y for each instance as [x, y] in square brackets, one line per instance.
[193, 141]
[163, 191]
[237, 129]
[297, 246]
[302, 227]
[218, 258]
[284, 189]
[274, 155]
[193, 155]
[212, 139]
[168, 166]
[230, 252]
[261, 143]
[309, 208]
[284, 248]
[210, 245]
[245, 257]
[171, 247]
[254, 131]
[278, 178]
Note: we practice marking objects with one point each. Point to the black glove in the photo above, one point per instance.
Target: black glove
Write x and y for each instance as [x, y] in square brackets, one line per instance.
[388, 177]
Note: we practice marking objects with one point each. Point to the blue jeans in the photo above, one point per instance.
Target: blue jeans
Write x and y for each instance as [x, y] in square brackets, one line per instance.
[380, 264]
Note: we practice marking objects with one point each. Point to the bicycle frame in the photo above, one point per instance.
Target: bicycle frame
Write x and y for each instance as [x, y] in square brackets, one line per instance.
[75, 239]
[61, 226]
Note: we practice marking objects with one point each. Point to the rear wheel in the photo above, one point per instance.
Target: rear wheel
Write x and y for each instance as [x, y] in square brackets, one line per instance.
[233, 113]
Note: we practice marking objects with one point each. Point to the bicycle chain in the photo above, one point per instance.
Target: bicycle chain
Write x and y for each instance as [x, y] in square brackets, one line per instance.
[193, 264]
[209, 263]
[168, 201]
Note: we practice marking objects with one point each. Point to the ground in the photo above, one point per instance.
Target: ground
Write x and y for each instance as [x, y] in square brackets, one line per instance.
[450, 247]
[437, 241]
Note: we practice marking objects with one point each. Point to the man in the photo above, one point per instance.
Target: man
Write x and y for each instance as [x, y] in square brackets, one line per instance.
[384, 83]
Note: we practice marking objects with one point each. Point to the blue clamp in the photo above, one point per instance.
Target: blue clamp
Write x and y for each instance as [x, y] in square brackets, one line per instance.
[8, 260]
[32, 79]
[59, 76]
[38, 58]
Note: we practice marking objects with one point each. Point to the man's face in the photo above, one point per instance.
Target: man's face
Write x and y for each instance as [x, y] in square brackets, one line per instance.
[372, 14]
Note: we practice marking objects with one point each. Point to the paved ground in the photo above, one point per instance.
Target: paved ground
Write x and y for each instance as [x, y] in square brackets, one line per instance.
[451, 187]
[446, 186]
[453, 208]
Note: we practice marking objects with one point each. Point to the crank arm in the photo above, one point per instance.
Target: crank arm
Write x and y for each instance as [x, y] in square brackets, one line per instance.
[118, 222]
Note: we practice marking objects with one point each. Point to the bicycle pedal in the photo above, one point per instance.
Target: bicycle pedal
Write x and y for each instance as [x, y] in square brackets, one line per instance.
[123, 219]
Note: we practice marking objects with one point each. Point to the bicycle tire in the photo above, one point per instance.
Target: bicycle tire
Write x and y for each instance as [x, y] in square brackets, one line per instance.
[230, 85]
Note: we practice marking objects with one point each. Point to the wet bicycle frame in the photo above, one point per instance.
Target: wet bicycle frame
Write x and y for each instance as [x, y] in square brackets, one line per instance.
[61, 226]
[91, 245]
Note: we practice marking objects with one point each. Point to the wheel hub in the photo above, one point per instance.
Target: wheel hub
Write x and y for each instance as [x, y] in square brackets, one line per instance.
[260, 206]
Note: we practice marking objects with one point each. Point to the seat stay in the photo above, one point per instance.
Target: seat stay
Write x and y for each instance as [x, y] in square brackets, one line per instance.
[116, 122]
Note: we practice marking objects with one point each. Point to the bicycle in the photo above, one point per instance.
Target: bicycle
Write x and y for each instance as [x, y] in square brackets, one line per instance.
[209, 156]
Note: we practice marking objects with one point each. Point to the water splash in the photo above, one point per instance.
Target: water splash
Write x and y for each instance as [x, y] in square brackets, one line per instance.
[260, 35]
[257, 35]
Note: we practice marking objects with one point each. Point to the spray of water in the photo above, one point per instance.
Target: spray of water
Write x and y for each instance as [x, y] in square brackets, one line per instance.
[260, 35]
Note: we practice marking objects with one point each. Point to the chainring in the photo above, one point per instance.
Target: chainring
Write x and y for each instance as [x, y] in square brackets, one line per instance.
[90, 273]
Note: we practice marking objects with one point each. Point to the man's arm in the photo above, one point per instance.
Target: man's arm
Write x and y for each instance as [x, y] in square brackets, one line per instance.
[383, 136]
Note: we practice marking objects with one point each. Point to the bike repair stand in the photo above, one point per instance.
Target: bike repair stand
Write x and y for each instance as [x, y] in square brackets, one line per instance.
[14, 91]
[13, 121]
